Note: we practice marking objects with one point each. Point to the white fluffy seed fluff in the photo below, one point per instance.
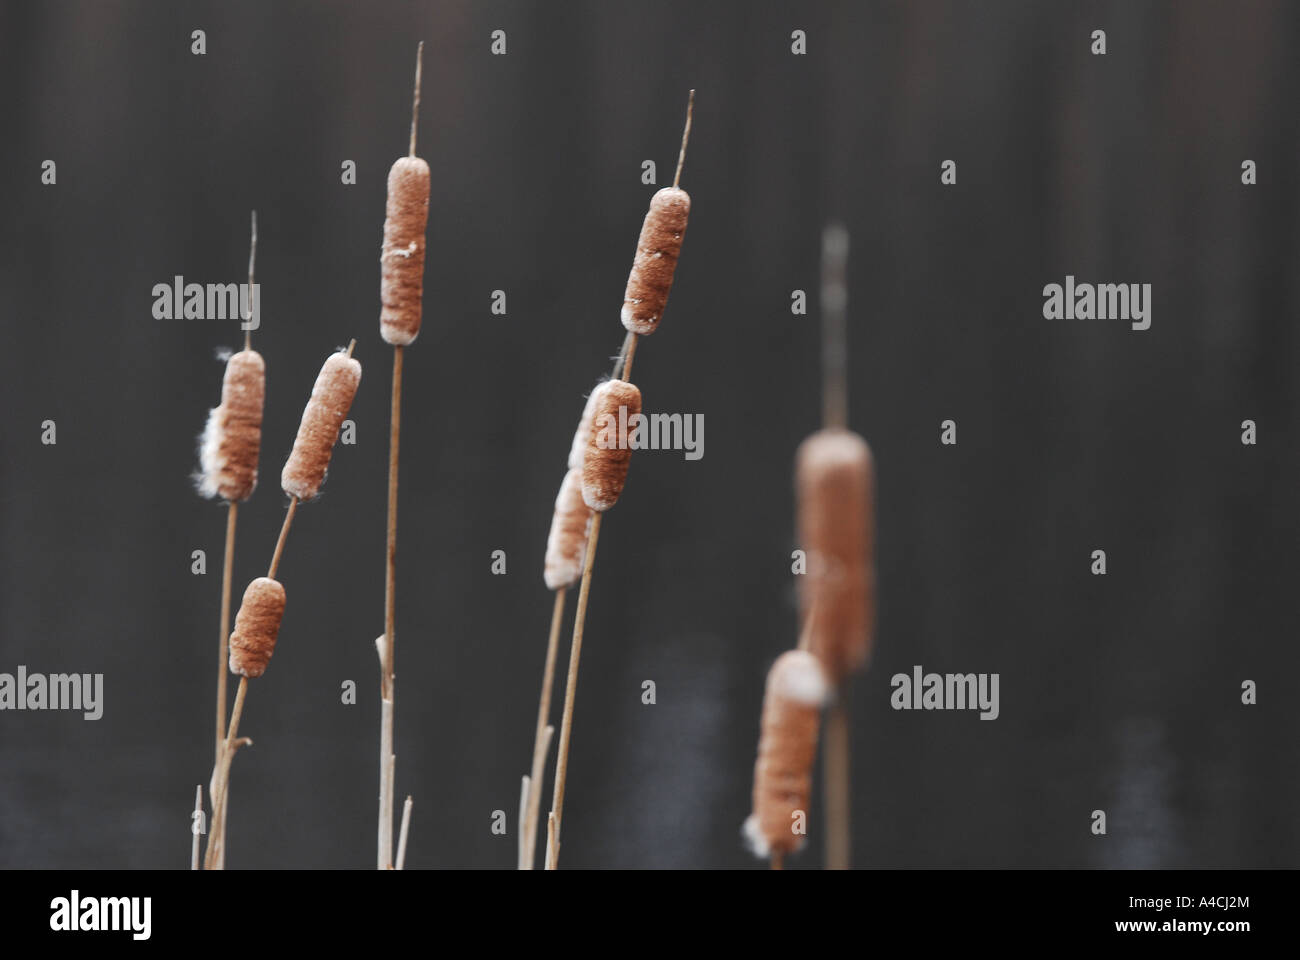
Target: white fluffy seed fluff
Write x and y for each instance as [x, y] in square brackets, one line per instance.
[803, 681]
[211, 462]
[754, 839]
[578, 451]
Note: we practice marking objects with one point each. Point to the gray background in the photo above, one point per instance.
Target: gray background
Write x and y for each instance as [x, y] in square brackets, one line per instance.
[1119, 693]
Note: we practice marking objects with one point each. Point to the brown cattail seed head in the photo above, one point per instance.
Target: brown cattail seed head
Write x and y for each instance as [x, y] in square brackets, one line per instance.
[402, 259]
[656, 258]
[566, 547]
[232, 437]
[331, 398]
[787, 747]
[604, 466]
[256, 626]
[834, 487]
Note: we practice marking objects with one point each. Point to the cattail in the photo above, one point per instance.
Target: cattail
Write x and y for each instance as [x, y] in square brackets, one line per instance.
[834, 490]
[331, 398]
[402, 259]
[604, 466]
[256, 626]
[657, 250]
[787, 747]
[582, 435]
[566, 546]
[231, 439]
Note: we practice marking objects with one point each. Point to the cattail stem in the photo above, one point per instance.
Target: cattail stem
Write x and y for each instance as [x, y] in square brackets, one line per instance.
[542, 739]
[252, 261]
[686, 136]
[385, 832]
[628, 353]
[778, 860]
[401, 837]
[835, 779]
[223, 665]
[223, 661]
[570, 694]
[217, 789]
[415, 95]
[834, 304]
[279, 544]
[835, 413]
[387, 760]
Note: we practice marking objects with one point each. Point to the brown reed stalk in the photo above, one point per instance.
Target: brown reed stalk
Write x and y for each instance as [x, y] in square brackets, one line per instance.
[402, 305]
[653, 274]
[836, 765]
[400, 863]
[542, 737]
[307, 486]
[570, 695]
[244, 380]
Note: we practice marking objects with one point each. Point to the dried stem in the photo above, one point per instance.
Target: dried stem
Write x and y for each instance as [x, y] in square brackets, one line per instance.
[570, 694]
[223, 667]
[415, 96]
[401, 837]
[686, 136]
[279, 543]
[221, 779]
[542, 739]
[552, 844]
[834, 304]
[835, 413]
[252, 260]
[386, 691]
[387, 760]
[835, 775]
[778, 860]
[629, 352]
[385, 831]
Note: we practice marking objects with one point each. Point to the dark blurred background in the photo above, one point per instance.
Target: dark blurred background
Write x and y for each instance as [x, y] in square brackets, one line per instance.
[1119, 693]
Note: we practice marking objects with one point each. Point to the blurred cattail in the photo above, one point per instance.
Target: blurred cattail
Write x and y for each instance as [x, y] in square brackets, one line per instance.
[605, 463]
[796, 691]
[835, 505]
[402, 259]
[256, 627]
[232, 437]
[657, 250]
[566, 546]
[330, 401]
